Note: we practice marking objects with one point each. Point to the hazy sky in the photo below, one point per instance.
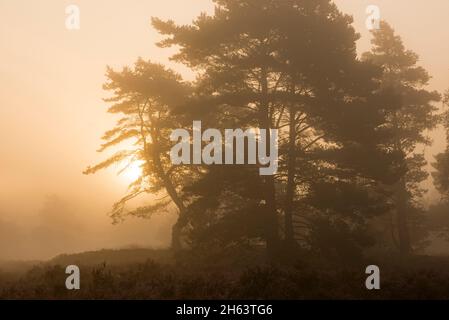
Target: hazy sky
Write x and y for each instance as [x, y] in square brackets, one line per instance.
[52, 114]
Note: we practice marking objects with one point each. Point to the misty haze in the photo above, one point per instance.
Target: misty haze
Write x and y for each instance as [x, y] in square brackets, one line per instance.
[90, 94]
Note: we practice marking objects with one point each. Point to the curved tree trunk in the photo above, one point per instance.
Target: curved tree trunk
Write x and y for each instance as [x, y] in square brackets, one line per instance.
[177, 228]
[155, 156]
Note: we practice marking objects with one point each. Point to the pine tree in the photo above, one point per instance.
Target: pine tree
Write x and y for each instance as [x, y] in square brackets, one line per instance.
[289, 65]
[441, 175]
[410, 120]
[144, 96]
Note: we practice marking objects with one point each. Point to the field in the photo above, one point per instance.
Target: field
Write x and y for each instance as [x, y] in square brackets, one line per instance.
[155, 274]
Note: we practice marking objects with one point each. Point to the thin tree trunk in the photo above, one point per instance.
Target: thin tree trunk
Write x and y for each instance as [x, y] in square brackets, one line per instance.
[290, 193]
[401, 199]
[402, 219]
[271, 221]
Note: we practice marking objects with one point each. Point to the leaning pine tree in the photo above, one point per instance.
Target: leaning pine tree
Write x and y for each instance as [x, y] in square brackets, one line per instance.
[144, 96]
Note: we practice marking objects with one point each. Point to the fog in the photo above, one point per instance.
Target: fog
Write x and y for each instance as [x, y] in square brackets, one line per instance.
[60, 226]
[52, 115]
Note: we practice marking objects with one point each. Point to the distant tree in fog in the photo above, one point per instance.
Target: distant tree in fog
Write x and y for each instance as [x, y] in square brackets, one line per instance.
[441, 175]
[410, 120]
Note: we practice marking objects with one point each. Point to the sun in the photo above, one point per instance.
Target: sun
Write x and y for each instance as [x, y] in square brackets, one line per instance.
[132, 172]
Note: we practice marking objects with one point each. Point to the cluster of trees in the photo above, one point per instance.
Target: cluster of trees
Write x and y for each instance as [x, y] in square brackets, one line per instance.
[349, 130]
[441, 175]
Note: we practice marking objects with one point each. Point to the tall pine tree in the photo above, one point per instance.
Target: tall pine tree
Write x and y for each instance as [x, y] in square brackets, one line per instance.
[414, 115]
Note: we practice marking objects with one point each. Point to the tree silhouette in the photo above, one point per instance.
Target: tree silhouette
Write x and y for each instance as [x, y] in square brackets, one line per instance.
[413, 116]
[258, 70]
[349, 128]
[441, 175]
[144, 96]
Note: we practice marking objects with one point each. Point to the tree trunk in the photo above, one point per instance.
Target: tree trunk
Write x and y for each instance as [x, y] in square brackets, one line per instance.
[271, 220]
[402, 219]
[155, 155]
[290, 193]
[176, 242]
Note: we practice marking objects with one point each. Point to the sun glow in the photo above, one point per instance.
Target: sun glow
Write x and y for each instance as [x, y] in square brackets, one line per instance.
[132, 172]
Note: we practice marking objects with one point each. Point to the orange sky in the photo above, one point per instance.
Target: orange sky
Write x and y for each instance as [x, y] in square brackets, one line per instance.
[52, 114]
